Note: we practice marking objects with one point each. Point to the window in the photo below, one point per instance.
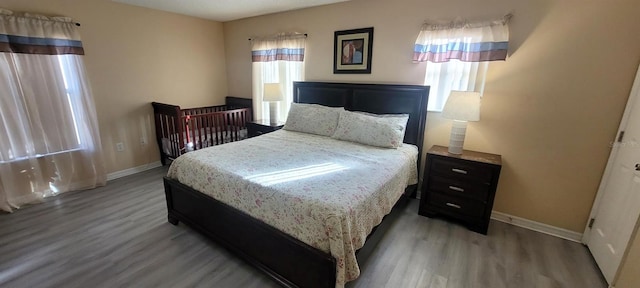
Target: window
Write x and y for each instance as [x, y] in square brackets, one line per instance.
[458, 53]
[453, 75]
[50, 141]
[278, 59]
[73, 95]
[42, 112]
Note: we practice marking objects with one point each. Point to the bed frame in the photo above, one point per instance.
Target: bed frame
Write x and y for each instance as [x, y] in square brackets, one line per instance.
[202, 126]
[287, 260]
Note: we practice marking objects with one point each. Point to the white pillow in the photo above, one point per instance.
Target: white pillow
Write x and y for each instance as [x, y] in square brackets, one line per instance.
[376, 130]
[402, 119]
[313, 118]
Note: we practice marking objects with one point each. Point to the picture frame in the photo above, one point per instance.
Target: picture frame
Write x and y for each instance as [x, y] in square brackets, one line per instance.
[352, 51]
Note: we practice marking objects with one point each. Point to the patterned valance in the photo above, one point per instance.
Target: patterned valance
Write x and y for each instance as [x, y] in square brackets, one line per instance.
[36, 34]
[465, 41]
[285, 47]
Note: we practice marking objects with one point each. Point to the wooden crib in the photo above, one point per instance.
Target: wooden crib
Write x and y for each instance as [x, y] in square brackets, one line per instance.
[183, 130]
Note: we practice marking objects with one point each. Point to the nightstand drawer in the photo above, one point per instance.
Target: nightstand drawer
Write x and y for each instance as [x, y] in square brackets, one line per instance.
[457, 205]
[458, 188]
[460, 169]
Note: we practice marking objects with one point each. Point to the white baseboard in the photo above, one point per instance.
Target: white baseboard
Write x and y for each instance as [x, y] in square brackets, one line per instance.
[537, 226]
[134, 170]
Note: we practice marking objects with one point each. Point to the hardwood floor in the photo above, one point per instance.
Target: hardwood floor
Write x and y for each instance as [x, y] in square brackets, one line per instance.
[118, 236]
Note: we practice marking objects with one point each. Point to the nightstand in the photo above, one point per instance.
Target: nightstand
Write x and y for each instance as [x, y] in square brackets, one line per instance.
[460, 187]
[259, 127]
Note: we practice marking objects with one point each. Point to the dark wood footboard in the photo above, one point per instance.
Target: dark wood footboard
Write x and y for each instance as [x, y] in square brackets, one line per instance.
[287, 260]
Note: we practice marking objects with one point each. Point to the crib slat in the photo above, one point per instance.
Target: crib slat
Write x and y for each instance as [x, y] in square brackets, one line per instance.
[216, 128]
[233, 127]
[198, 126]
[205, 131]
[172, 136]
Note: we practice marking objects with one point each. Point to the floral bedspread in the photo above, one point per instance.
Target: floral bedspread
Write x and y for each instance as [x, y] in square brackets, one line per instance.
[325, 192]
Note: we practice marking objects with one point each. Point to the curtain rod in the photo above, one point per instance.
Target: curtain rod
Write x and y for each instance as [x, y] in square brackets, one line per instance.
[305, 34]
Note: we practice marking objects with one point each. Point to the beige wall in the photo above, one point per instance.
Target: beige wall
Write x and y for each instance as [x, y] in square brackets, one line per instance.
[551, 109]
[135, 56]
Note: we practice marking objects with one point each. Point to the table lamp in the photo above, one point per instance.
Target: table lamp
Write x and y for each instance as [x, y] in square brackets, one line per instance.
[461, 106]
[273, 95]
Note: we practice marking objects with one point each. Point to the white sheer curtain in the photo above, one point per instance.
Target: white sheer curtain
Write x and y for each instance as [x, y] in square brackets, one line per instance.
[458, 55]
[51, 142]
[453, 75]
[278, 59]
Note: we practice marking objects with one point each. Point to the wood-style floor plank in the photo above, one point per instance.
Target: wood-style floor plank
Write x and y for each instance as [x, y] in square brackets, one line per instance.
[118, 236]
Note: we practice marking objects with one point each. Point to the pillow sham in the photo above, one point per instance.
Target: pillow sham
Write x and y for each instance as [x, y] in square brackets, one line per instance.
[313, 119]
[385, 131]
[402, 119]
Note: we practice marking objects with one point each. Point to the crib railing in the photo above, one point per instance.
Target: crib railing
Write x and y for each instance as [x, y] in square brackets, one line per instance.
[215, 128]
[204, 110]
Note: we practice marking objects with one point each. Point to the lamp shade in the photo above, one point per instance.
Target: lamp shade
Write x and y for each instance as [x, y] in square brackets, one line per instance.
[462, 106]
[272, 92]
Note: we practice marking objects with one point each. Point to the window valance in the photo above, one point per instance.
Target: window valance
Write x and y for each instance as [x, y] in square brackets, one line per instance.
[284, 46]
[464, 41]
[36, 34]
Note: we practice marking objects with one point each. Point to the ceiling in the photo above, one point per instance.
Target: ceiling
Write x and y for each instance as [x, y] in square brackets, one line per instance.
[227, 10]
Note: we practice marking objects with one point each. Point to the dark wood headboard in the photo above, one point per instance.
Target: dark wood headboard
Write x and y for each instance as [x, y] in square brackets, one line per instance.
[372, 98]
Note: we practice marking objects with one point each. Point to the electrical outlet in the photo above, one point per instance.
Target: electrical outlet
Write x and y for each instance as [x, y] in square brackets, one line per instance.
[143, 140]
[119, 146]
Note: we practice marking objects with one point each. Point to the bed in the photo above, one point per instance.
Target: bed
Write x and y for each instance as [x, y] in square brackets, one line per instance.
[182, 130]
[298, 261]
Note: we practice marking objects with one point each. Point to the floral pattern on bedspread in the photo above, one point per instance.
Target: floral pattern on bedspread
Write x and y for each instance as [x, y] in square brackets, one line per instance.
[325, 192]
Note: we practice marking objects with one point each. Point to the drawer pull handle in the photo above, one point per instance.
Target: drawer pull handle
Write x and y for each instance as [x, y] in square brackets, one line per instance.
[454, 188]
[459, 171]
[454, 205]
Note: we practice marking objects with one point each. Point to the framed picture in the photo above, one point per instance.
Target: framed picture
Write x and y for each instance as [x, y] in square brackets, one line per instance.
[352, 51]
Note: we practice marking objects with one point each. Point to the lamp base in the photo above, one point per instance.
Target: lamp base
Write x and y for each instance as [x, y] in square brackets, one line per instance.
[273, 113]
[456, 140]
